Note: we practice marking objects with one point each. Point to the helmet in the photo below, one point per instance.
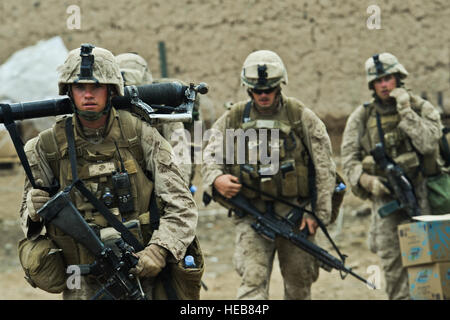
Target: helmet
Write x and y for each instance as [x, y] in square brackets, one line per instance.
[134, 69]
[263, 69]
[90, 64]
[383, 64]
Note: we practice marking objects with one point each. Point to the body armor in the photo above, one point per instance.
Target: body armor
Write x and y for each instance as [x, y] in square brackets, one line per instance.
[96, 165]
[397, 144]
[292, 177]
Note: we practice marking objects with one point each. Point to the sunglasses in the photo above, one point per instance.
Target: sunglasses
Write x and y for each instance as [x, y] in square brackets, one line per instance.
[261, 91]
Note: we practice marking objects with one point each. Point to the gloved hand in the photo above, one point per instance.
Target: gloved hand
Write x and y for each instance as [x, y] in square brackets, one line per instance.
[36, 198]
[151, 261]
[402, 97]
[373, 185]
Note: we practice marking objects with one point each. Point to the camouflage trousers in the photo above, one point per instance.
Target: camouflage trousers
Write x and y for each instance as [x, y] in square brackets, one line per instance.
[383, 240]
[253, 261]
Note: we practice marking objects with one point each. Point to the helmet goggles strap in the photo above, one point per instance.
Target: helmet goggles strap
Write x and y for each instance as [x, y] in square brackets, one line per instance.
[378, 65]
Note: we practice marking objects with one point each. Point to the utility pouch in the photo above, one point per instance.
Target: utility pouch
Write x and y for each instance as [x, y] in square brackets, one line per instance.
[267, 182]
[289, 186]
[408, 162]
[186, 281]
[250, 177]
[268, 185]
[277, 147]
[43, 264]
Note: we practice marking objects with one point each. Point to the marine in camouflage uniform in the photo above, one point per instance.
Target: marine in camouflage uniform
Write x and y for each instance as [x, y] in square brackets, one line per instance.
[303, 138]
[135, 72]
[411, 128]
[103, 136]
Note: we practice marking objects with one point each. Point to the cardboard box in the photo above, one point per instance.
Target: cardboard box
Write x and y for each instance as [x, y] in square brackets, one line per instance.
[430, 281]
[424, 242]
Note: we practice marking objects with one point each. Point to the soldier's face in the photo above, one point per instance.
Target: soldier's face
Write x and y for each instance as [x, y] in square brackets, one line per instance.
[384, 85]
[90, 96]
[264, 98]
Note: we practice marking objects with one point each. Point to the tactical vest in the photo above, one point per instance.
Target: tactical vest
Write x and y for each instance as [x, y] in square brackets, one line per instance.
[397, 144]
[96, 164]
[293, 177]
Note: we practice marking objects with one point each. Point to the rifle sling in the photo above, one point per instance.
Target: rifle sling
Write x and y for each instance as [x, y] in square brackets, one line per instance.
[380, 129]
[318, 220]
[10, 125]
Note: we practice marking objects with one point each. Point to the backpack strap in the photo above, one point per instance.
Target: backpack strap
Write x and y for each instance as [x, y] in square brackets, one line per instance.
[49, 145]
[236, 114]
[132, 129]
[246, 113]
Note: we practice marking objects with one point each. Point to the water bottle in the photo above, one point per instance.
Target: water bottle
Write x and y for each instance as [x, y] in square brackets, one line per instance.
[189, 262]
[340, 187]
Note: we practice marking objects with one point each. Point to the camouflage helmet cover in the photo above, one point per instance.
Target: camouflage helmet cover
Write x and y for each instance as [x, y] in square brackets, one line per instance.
[105, 70]
[380, 65]
[134, 69]
[263, 69]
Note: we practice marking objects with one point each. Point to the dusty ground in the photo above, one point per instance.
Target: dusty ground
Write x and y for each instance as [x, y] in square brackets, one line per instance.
[215, 232]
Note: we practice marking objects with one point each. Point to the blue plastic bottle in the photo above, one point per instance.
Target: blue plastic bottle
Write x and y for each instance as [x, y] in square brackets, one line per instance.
[189, 262]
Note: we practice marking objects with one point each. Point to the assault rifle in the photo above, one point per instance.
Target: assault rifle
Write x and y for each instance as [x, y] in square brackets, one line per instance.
[111, 269]
[270, 225]
[398, 183]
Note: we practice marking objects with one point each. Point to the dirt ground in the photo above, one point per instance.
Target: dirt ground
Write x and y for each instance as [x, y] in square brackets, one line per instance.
[216, 234]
